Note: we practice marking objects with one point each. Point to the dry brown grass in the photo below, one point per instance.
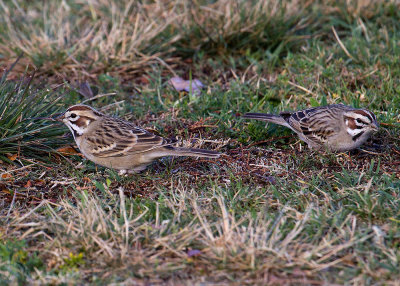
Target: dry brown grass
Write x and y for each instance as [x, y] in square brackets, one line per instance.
[101, 36]
[79, 40]
[115, 240]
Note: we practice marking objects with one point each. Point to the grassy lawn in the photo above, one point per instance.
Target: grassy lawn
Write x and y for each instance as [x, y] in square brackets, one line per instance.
[269, 211]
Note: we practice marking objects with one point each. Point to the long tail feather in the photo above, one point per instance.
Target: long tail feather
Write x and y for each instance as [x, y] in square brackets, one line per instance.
[277, 119]
[193, 152]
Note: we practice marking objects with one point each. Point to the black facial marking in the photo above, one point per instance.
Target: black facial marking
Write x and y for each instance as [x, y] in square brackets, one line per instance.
[365, 114]
[355, 137]
[369, 117]
[359, 121]
[76, 134]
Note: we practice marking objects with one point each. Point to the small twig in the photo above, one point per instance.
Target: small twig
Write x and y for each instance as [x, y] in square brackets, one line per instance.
[302, 88]
[202, 126]
[19, 169]
[166, 65]
[99, 96]
[111, 105]
[269, 140]
[342, 45]
[62, 183]
[6, 72]
[31, 211]
[12, 204]
[370, 152]
[388, 124]
[394, 150]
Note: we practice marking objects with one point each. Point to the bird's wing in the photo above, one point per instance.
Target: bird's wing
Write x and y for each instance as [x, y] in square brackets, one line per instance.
[114, 138]
[315, 124]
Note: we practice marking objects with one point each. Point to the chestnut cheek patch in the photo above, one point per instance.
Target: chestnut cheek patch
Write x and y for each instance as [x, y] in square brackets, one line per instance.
[350, 122]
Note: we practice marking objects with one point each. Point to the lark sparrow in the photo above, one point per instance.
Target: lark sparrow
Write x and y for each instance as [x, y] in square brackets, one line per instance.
[118, 144]
[336, 127]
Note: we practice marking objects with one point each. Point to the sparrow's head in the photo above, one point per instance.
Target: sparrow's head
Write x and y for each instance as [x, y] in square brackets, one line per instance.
[360, 123]
[78, 118]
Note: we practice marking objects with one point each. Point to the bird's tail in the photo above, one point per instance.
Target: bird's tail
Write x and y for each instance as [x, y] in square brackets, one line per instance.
[277, 119]
[179, 151]
[193, 152]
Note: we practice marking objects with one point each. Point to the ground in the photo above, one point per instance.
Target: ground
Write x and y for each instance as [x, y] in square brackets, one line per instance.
[269, 211]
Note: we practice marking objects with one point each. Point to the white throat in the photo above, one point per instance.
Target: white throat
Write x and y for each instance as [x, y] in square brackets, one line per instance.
[354, 132]
[75, 129]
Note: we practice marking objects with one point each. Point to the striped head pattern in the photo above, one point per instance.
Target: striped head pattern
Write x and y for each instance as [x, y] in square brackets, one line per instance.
[360, 122]
[78, 118]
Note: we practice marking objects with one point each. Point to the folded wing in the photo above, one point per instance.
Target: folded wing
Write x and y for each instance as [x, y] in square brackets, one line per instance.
[120, 138]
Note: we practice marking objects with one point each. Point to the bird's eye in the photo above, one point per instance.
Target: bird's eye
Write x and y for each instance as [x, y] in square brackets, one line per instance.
[73, 115]
[359, 121]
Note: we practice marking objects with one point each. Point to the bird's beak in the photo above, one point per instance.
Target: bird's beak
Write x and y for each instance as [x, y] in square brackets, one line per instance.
[375, 127]
[60, 118]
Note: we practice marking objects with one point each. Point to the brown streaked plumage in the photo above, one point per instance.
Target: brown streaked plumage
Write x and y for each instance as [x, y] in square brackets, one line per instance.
[336, 127]
[118, 144]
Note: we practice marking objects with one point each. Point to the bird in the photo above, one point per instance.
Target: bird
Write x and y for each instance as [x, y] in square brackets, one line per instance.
[118, 144]
[335, 127]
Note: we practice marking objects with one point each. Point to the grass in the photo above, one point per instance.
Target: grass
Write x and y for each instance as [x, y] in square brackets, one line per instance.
[270, 211]
[19, 131]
